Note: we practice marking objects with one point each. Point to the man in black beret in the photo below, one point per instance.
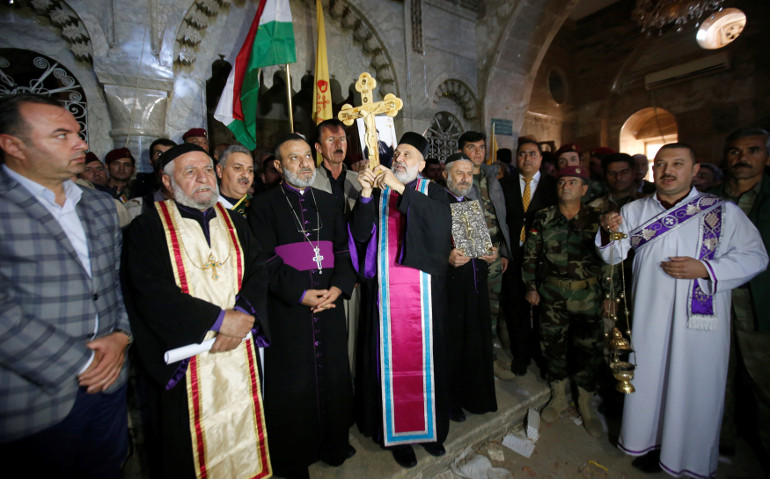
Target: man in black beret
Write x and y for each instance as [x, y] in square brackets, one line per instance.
[402, 226]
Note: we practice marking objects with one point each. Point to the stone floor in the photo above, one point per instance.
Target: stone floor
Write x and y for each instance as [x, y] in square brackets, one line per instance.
[563, 450]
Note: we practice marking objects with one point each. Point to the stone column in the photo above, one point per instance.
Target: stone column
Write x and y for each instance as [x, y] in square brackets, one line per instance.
[138, 113]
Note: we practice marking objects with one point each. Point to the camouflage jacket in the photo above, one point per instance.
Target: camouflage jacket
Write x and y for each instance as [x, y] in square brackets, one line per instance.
[606, 204]
[561, 248]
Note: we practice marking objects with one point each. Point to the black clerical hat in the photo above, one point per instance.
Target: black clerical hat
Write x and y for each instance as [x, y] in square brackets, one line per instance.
[416, 140]
[169, 155]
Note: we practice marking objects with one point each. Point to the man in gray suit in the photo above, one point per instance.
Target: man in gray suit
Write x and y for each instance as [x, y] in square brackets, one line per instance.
[336, 178]
[63, 327]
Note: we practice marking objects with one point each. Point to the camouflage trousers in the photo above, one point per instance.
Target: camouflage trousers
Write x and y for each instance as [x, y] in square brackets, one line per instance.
[572, 333]
[495, 286]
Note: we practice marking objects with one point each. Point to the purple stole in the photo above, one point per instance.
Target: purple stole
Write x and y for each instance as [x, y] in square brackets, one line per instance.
[406, 333]
[709, 210]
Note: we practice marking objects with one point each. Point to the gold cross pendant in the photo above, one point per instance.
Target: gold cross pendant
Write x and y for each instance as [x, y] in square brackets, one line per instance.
[213, 265]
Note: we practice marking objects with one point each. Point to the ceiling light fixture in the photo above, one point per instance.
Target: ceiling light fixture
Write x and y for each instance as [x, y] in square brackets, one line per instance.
[654, 15]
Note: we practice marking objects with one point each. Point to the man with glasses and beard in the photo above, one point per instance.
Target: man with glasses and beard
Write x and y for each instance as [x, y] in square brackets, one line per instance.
[191, 272]
[403, 223]
[469, 325]
[308, 389]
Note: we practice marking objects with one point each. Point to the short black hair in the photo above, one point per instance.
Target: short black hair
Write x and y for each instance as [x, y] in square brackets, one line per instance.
[748, 132]
[286, 138]
[672, 146]
[330, 123]
[267, 161]
[162, 141]
[525, 141]
[616, 158]
[470, 137]
[10, 118]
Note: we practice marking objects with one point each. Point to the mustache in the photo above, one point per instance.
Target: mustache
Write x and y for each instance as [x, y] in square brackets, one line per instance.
[339, 150]
[741, 164]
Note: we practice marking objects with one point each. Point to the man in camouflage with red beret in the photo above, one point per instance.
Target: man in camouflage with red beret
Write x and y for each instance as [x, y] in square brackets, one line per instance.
[563, 273]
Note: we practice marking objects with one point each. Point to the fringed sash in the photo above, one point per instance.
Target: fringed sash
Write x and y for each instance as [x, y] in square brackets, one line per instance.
[709, 210]
[406, 334]
[227, 425]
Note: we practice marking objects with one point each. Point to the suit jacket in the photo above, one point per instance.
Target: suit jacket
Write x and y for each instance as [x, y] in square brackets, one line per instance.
[48, 304]
[544, 196]
[352, 188]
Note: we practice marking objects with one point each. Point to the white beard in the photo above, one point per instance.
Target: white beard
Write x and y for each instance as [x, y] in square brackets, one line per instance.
[181, 197]
[406, 176]
[457, 191]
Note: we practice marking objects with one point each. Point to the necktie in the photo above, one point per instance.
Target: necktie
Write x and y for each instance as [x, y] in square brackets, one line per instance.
[525, 199]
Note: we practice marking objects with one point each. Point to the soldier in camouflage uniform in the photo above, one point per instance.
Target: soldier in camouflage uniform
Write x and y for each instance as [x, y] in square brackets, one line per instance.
[563, 274]
[568, 155]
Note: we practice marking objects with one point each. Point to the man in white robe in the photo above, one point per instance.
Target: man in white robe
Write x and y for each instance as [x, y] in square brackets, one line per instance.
[687, 261]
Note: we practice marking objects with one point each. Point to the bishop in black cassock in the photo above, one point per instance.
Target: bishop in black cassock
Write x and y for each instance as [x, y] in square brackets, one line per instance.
[407, 234]
[308, 389]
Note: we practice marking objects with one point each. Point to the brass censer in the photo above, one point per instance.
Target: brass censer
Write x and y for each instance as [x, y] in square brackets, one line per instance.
[619, 346]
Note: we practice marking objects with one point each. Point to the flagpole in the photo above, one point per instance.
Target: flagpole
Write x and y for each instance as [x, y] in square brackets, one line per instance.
[288, 96]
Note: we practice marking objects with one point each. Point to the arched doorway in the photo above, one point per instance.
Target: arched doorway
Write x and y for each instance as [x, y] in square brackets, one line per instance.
[647, 130]
[25, 71]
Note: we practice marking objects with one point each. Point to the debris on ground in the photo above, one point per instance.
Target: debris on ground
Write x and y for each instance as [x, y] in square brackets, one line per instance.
[472, 465]
[519, 444]
[533, 425]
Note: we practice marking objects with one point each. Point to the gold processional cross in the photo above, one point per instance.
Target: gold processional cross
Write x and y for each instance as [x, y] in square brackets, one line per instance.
[213, 265]
[390, 105]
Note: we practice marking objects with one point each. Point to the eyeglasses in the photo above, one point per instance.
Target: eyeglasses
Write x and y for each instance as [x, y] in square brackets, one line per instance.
[532, 154]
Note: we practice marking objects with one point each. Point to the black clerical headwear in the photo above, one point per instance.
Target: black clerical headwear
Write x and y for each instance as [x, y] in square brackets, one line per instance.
[169, 155]
[455, 157]
[416, 140]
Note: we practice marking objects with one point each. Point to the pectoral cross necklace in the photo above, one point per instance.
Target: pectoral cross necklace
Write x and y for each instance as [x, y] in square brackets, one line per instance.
[317, 257]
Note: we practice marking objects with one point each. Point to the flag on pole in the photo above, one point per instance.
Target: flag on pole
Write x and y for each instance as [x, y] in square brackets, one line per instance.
[269, 41]
[492, 158]
[322, 101]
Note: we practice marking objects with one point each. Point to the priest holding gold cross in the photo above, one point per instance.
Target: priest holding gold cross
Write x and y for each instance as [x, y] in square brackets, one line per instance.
[401, 228]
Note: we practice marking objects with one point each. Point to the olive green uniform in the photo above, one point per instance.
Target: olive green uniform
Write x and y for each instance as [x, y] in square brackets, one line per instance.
[561, 264]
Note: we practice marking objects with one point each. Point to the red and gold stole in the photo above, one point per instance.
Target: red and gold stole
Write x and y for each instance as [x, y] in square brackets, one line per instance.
[227, 425]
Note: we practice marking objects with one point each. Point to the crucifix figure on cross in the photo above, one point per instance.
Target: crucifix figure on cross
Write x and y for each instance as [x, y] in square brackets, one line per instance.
[390, 105]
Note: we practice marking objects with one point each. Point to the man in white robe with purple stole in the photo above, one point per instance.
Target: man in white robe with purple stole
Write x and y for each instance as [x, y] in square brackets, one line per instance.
[401, 226]
[691, 249]
[192, 272]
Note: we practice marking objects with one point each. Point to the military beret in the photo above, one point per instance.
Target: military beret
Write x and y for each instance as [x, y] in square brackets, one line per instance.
[573, 171]
[568, 147]
[118, 153]
[194, 132]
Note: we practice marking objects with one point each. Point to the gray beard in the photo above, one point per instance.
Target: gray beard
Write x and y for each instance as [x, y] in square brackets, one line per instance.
[457, 191]
[407, 176]
[297, 182]
[182, 197]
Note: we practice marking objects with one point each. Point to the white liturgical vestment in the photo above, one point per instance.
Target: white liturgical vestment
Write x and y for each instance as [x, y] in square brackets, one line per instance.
[682, 359]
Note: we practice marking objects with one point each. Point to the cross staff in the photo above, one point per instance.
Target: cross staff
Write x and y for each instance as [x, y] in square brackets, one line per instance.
[390, 106]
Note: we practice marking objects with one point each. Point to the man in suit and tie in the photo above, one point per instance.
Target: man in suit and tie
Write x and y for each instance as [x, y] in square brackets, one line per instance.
[525, 193]
[63, 327]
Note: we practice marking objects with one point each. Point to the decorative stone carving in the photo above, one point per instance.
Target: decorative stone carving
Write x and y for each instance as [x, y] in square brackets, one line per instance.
[190, 32]
[417, 44]
[72, 30]
[460, 93]
[364, 33]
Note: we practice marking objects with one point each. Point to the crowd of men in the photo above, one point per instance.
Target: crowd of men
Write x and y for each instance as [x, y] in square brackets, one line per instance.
[315, 297]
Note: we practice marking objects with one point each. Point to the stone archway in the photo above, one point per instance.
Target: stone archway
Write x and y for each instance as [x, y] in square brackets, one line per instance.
[201, 13]
[506, 83]
[648, 129]
[459, 92]
[71, 27]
